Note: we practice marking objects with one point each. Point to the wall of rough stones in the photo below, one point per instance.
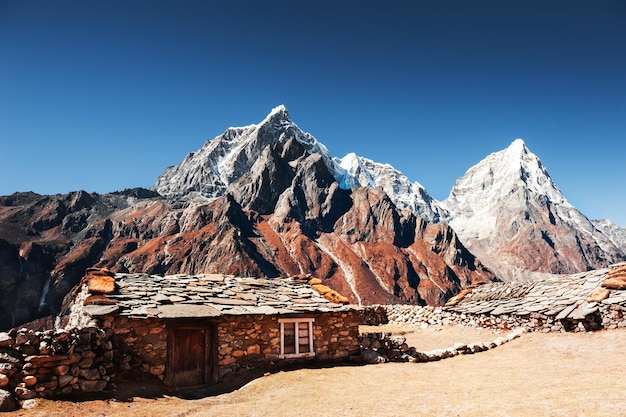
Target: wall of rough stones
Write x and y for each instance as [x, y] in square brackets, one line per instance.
[253, 342]
[244, 342]
[49, 364]
[608, 316]
[380, 348]
[140, 344]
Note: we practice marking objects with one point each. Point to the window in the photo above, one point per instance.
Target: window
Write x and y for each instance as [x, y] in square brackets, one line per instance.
[296, 338]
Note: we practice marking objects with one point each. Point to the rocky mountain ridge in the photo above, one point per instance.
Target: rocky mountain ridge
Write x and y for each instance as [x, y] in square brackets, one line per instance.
[509, 212]
[285, 216]
[495, 207]
[269, 200]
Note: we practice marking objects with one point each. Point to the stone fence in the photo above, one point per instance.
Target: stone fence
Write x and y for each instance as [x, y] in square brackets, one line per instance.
[49, 364]
[604, 316]
[380, 348]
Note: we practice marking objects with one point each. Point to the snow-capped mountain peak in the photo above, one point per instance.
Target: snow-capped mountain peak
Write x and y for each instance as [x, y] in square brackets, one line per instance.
[507, 209]
[504, 172]
[228, 156]
[224, 159]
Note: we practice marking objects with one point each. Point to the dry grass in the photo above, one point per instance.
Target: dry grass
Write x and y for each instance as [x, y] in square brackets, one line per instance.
[536, 375]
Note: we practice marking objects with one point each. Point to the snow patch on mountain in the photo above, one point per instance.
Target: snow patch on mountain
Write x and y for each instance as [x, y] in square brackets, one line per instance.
[407, 195]
[612, 231]
[509, 199]
[219, 162]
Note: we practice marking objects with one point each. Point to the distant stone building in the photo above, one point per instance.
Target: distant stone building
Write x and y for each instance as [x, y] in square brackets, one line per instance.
[192, 330]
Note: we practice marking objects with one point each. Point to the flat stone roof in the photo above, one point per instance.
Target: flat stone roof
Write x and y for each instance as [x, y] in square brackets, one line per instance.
[561, 296]
[207, 295]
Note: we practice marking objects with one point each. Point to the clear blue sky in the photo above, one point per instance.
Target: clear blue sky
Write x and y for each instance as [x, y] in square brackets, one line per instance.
[104, 95]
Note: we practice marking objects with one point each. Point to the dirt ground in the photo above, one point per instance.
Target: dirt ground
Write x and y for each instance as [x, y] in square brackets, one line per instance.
[578, 374]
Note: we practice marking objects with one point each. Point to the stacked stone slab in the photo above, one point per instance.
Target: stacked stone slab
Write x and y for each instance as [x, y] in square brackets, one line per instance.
[576, 302]
[53, 364]
[380, 348]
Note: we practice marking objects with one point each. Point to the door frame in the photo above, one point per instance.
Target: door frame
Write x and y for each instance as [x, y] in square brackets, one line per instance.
[210, 349]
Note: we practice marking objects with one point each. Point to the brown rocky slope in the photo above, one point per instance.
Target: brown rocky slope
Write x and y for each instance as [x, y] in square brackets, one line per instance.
[286, 216]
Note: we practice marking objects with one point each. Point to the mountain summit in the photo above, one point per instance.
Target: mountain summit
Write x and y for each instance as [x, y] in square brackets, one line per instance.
[412, 196]
[219, 162]
[508, 211]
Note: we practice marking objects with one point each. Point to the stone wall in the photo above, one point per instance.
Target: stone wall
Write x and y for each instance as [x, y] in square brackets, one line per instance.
[380, 348]
[607, 316]
[244, 342]
[140, 344]
[253, 342]
[49, 364]
[374, 315]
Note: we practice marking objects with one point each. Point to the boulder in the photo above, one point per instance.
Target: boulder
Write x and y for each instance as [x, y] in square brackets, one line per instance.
[23, 393]
[29, 380]
[92, 386]
[101, 284]
[617, 271]
[7, 369]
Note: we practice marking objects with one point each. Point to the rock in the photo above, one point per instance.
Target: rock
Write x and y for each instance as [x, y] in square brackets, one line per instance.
[614, 284]
[9, 355]
[92, 386]
[7, 401]
[4, 380]
[6, 340]
[460, 346]
[7, 369]
[598, 295]
[23, 393]
[90, 374]
[372, 357]
[29, 381]
[65, 380]
[61, 370]
[28, 404]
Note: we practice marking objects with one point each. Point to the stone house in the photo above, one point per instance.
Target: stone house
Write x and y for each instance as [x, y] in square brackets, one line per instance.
[191, 330]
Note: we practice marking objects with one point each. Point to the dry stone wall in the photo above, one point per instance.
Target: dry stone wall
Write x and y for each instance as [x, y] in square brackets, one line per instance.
[49, 364]
[140, 344]
[247, 342]
[576, 302]
[612, 316]
[380, 348]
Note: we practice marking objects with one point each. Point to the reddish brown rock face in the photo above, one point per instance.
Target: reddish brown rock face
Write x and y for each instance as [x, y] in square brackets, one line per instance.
[356, 241]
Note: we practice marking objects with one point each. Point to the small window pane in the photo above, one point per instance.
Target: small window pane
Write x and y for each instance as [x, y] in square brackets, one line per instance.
[303, 337]
[289, 338]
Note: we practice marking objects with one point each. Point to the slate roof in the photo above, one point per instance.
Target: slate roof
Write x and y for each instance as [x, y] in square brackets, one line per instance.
[207, 295]
[562, 296]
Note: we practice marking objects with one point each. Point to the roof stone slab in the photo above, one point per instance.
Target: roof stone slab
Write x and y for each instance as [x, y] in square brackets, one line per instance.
[563, 296]
[209, 295]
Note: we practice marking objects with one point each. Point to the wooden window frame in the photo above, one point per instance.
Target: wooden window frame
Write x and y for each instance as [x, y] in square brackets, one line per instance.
[297, 354]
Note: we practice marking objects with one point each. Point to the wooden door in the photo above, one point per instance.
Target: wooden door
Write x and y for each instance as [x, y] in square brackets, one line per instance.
[189, 356]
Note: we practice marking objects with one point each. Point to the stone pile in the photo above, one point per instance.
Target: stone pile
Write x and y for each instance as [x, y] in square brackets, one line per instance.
[374, 315]
[381, 348]
[53, 364]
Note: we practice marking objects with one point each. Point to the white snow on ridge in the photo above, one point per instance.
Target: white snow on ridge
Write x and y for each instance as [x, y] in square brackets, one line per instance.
[508, 186]
[222, 160]
[406, 195]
